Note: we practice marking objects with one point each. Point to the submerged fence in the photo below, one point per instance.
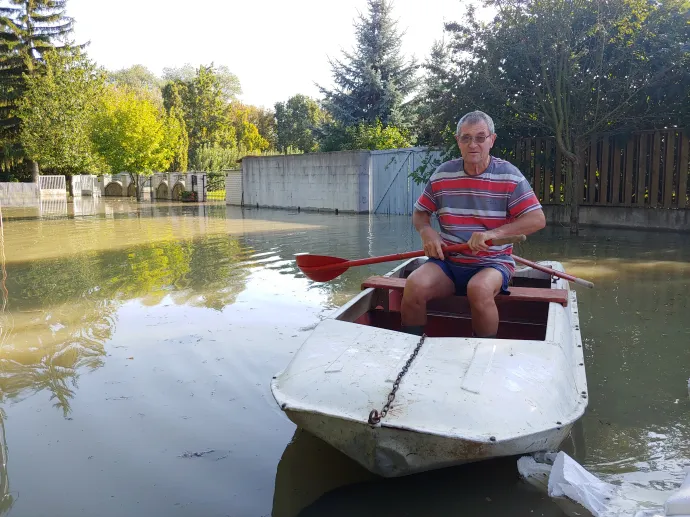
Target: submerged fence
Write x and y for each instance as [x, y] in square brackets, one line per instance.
[642, 169]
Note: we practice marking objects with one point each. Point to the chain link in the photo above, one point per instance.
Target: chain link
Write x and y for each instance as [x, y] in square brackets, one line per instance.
[375, 417]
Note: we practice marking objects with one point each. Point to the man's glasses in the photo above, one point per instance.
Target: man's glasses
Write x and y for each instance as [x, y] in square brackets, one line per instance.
[466, 139]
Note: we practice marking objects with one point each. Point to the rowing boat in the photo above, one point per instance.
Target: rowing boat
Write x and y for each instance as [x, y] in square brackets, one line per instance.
[459, 399]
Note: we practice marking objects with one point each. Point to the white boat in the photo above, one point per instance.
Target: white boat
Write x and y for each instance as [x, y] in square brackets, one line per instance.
[462, 399]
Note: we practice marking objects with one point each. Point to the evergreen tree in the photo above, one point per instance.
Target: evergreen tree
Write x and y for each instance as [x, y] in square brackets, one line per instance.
[375, 80]
[28, 29]
[436, 116]
[173, 105]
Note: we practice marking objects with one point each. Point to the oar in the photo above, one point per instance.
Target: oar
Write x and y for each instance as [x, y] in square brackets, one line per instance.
[322, 268]
[553, 272]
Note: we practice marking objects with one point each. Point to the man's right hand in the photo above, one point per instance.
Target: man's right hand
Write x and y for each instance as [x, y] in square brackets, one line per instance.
[432, 243]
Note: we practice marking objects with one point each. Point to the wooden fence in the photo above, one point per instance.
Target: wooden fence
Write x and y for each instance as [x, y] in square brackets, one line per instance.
[642, 169]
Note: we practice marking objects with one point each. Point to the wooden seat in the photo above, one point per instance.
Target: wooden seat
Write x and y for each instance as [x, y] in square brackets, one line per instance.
[517, 294]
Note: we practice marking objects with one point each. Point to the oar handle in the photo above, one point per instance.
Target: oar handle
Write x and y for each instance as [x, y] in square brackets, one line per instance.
[553, 272]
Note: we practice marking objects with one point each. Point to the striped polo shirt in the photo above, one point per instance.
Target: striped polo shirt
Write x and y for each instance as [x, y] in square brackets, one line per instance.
[467, 204]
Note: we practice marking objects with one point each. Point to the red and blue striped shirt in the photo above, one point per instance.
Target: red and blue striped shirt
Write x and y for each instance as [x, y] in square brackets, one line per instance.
[467, 204]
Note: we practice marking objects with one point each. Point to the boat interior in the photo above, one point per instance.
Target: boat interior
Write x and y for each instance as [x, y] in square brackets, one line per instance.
[523, 313]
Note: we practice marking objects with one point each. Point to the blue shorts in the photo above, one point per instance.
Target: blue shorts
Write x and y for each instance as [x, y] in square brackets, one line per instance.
[461, 275]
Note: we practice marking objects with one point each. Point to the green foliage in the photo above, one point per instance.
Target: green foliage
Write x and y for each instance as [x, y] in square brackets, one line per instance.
[229, 83]
[365, 136]
[205, 111]
[179, 139]
[138, 77]
[28, 30]
[297, 121]
[132, 133]
[265, 122]
[247, 134]
[374, 80]
[567, 69]
[57, 109]
[213, 158]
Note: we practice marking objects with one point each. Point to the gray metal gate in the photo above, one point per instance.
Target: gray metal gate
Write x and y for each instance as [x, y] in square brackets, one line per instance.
[233, 187]
[392, 191]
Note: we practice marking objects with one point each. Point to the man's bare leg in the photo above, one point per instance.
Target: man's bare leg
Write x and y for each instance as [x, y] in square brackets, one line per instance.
[481, 292]
[425, 283]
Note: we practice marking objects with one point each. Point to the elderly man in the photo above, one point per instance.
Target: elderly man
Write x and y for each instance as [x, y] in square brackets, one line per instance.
[477, 197]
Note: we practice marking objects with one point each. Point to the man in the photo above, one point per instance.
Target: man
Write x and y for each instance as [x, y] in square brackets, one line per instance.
[477, 197]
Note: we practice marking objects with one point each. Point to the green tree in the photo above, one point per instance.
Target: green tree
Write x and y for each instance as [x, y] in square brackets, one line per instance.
[573, 68]
[175, 109]
[57, 110]
[28, 29]
[133, 135]
[373, 82]
[265, 121]
[229, 83]
[213, 158]
[247, 134]
[297, 120]
[376, 136]
[435, 122]
[205, 111]
[138, 77]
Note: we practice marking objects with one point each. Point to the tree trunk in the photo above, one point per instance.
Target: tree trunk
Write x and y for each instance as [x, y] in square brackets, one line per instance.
[70, 187]
[574, 187]
[32, 167]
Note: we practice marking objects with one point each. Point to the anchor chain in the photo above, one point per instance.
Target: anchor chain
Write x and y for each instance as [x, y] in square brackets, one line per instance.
[375, 417]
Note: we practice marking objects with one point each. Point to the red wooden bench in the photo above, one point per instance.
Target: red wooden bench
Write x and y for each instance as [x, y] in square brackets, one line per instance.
[522, 294]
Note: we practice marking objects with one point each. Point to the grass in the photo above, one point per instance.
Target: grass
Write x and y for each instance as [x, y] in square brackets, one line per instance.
[218, 195]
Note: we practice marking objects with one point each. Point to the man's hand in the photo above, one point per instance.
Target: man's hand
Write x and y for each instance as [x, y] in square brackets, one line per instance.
[478, 241]
[432, 243]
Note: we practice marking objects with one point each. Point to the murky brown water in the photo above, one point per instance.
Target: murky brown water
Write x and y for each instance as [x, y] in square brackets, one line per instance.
[138, 343]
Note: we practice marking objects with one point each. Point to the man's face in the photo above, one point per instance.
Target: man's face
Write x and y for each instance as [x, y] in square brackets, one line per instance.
[474, 152]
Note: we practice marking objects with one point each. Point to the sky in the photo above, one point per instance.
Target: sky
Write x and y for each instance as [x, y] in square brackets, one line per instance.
[277, 48]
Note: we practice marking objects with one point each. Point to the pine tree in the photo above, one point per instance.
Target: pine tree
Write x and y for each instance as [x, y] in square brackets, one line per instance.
[375, 80]
[175, 109]
[434, 105]
[28, 29]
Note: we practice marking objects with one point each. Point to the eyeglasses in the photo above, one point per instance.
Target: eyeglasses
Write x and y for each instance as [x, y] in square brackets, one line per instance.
[466, 139]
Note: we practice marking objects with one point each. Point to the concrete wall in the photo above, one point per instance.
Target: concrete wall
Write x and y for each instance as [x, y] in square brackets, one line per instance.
[321, 181]
[17, 193]
[623, 217]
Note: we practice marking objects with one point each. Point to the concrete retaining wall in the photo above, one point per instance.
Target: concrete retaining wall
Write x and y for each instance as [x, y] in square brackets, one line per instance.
[322, 181]
[623, 217]
[18, 193]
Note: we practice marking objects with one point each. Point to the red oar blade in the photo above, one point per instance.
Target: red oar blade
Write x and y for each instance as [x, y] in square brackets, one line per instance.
[320, 268]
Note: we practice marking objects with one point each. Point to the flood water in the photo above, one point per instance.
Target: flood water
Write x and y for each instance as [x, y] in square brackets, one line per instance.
[138, 342]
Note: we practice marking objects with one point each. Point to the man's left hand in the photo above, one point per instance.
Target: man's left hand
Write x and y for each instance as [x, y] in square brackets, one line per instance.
[478, 241]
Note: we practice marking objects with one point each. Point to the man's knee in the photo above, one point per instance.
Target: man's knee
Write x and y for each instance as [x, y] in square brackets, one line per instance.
[423, 285]
[484, 287]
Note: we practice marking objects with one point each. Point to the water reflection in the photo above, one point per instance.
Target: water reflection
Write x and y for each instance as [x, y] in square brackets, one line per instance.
[181, 314]
[313, 479]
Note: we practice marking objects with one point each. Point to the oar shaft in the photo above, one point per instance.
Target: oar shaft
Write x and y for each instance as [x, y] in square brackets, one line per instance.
[394, 256]
[553, 272]
[411, 254]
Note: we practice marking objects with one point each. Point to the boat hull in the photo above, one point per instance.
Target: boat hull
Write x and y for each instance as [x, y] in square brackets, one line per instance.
[462, 400]
[393, 452]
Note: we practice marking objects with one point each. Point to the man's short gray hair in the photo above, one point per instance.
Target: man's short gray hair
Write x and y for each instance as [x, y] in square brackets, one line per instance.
[475, 117]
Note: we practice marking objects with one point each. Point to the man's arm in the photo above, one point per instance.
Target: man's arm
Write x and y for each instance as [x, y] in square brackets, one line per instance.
[431, 240]
[528, 223]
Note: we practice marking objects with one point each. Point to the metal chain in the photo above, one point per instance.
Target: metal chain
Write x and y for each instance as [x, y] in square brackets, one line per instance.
[375, 417]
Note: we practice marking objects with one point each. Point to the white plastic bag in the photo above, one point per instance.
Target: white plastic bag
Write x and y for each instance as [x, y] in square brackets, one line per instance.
[678, 504]
[569, 480]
